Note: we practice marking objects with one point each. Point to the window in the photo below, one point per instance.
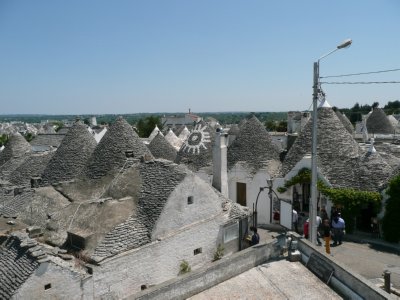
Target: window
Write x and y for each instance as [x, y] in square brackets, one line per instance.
[47, 286]
[190, 200]
[231, 232]
[197, 251]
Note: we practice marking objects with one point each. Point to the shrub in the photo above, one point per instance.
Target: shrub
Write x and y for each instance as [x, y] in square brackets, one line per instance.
[184, 267]
[219, 253]
[391, 219]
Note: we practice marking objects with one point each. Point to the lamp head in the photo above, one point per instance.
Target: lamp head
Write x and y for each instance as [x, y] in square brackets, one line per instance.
[269, 183]
[345, 44]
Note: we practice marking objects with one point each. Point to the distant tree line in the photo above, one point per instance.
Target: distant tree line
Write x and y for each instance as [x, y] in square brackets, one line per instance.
[355, 113]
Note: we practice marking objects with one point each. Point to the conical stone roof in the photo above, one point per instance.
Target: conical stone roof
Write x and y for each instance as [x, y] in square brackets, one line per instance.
[337, 151]
[110, 153]
[184, 133]
[160, 148]
[378, 122]
[345, 121]
[234, 130]
[17, 146]
[196, 151]
[71, 156]
[33, 166]
[373, 171]
[153, 134]
[253, 145]
[173, 139]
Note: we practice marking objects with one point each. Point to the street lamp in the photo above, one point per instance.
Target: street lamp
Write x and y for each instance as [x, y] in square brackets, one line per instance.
[316, 91]
[270, 183]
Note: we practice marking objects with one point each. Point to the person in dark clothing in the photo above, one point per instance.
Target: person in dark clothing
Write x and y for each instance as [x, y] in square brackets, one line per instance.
[326, 229]
[255, 238]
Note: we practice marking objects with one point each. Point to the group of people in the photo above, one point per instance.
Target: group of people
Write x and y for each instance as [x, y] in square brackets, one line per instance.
[328, 229]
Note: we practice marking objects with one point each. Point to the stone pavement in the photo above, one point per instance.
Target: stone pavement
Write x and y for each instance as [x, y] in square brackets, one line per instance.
[274, 280]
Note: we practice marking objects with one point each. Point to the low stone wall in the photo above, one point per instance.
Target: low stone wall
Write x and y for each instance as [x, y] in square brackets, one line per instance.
[352, 281]
[199, 280]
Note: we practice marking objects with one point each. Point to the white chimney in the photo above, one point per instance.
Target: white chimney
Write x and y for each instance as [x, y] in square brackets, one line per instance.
[220, 163]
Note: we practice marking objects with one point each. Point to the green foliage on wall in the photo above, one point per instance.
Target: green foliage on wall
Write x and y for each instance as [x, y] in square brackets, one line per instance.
[184, 267]
[350, 201]
[391, 220]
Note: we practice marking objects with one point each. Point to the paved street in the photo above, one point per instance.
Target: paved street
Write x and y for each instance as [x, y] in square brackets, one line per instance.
[368, 260]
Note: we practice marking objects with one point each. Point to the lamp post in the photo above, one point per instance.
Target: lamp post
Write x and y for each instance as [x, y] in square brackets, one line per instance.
[316, 92]
[269, 183]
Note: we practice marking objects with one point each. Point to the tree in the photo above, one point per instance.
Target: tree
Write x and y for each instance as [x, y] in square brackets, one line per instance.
[146, 125]
[3, 139]
[29, 136]
[391, 219]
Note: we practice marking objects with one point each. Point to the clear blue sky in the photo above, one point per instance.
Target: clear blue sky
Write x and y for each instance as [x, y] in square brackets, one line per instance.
[94, 57]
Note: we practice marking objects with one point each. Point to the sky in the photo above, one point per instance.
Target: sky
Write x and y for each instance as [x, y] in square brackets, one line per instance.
[119, 57]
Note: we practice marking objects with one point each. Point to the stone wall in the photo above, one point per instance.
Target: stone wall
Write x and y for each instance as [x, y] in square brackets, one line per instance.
[204, 278]
[154, 263]
[50, 281]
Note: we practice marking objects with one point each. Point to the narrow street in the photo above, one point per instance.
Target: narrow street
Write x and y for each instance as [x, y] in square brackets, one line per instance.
[368, 260]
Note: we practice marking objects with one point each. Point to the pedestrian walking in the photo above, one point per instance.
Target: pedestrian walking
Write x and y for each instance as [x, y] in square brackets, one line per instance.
[326, 229]
[295, 220]
[338, 228]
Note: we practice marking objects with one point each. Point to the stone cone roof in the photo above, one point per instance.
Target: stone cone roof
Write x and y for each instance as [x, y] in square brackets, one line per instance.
[17, 146]
[173, 139]
[337, 151]
[378, 123]
[234, 130]
[154, 133]
[373, 171]
[160, 148]
[253, 145]
[196, 151]
[71, 156]
[346, 122]
[393, 121]
[47, 128]
[110, 153]
[184, 133]
[33, 166]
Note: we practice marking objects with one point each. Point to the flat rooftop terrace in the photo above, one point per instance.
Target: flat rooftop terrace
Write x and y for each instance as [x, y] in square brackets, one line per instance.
[273, 280]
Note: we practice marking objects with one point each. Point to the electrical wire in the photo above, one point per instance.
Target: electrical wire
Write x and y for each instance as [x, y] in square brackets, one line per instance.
[364, 73]
[359, 82]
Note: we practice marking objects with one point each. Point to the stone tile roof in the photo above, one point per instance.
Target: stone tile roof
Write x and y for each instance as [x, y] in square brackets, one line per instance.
[71, 156]
[48, 139]
[154, 133]
[160, 148]
[373, 172]
[11, 165]
[16, 266]
[109, 155]
[33, 166]
[173, 140]
[340, 158]
[17, 146]
[159, 179]
[345, 121]
[253, 145]
[12, 206]
[378, 123]
[234, 130]
[183, 133]
[196, 151]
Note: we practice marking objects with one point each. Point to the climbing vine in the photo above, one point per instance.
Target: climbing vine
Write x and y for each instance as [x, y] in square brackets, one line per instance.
[350, 201]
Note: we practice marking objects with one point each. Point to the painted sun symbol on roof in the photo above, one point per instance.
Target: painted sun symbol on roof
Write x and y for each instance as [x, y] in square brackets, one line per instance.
[196, 140]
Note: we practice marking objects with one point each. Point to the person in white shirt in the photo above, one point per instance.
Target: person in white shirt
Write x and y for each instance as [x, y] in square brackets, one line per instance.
[295, 219]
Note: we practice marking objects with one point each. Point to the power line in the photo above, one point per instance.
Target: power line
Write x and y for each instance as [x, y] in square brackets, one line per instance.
[365, 73]
[359, 82]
